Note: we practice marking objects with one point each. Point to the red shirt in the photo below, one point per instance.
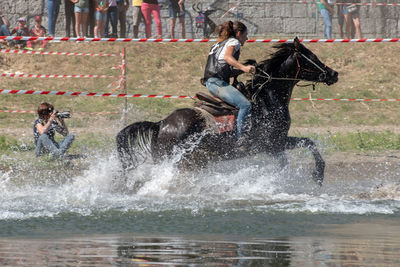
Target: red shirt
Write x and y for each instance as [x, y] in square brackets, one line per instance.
[41, 32]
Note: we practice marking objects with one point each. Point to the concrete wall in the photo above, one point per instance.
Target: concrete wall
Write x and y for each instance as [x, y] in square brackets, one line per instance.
[265, 18]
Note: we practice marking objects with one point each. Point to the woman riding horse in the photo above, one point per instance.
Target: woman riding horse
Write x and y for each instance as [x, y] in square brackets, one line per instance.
[223, 57]
[189, 135]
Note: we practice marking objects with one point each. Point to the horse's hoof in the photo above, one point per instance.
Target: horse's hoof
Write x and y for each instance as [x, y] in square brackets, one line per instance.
[318, 177]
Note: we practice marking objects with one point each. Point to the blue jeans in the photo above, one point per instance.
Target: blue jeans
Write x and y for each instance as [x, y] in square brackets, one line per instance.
[4, 31]
[57, 149]
[232, 96]
[112, 14]
[53, 7]
[328, 23]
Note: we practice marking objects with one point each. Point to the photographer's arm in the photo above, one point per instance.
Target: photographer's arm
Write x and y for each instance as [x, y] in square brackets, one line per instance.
[62, 127]
[42, 129]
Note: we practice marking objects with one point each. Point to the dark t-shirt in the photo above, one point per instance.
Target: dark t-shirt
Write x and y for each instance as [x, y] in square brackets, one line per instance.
[50, 132]
[155, 2]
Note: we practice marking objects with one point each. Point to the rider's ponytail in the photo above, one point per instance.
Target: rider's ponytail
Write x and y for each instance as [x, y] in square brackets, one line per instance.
[229, 29]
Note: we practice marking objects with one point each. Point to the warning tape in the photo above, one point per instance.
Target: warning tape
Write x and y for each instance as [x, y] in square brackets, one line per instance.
[12, 51]
[73, 39]
[32, 92]
[14, 75]
[84, 113]
[307, 2]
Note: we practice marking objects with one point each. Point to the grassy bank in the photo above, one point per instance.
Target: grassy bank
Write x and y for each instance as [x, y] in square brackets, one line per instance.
[168, 68]
[340, 142]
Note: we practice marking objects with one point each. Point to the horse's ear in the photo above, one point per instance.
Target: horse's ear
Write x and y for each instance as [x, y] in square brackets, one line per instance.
[296, 43]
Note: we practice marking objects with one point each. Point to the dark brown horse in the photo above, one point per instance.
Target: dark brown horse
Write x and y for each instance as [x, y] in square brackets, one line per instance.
[188, 130]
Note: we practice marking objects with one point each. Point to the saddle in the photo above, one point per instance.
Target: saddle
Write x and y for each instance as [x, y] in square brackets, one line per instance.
[214, 106]
[223, 113]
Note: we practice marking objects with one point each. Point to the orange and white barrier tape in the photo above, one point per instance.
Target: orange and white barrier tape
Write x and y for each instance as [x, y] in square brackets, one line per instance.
[15, 75]
[27, 52]
[32, 92]
[127, 40]
[81, 113]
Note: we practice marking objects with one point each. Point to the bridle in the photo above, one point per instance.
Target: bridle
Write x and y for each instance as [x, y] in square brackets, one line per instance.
[269, 78]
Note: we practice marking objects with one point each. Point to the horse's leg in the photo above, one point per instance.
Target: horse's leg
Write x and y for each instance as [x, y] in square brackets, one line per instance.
[303, 142]
[282, 158]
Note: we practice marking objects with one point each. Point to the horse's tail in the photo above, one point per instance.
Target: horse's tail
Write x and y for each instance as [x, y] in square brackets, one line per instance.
[135, 143]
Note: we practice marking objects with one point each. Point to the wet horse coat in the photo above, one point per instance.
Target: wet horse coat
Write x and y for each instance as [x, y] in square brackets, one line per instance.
[269, 90]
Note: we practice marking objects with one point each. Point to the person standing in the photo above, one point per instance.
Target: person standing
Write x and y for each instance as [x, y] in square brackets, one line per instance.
[69, 18]
[91, 21]
[112, 15]
[177, 10]
[81, 14]
[44, 129]
[150, 7]
[326, 10]
[101, 17]
[53, 8]
[223, 57]
[123, 6]
[351, 13]
[137, 16]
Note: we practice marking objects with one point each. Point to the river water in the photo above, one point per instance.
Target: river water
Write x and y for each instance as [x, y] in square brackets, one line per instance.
[237, 213]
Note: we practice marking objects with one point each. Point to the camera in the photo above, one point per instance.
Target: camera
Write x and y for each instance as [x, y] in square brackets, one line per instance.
[63, 115]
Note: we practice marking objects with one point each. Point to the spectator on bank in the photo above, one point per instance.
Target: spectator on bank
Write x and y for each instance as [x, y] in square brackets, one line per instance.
[351, 14]
[340, 5]
[137, 16]
[326, 10]
[81, 14]
[37, 31]
[91, 21]
[150, 7]
[123, 6]
[101, 17]
[69, 18]
[20, 30]
[53, 8]
[177, 10]
[112, 16]
[4, 28]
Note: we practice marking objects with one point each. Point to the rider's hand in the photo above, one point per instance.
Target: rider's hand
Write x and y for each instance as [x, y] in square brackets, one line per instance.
[249, 69]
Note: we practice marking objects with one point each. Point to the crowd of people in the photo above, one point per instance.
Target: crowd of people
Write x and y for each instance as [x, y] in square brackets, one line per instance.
[347, 13]
[100, 18]
[95, 18]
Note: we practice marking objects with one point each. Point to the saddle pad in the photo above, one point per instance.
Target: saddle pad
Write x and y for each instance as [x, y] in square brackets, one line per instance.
[225, 123]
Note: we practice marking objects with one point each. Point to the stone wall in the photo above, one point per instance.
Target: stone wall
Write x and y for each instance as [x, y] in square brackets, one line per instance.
[264, 18]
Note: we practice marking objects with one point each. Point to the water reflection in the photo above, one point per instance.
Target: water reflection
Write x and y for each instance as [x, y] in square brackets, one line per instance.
[374, 249]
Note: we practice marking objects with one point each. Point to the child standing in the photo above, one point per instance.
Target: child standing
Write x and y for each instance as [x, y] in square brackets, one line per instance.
[20, 30]
[37, 31]
[101, 17]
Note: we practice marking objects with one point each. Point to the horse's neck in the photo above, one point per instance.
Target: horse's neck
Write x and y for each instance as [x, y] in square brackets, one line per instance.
[280, 91]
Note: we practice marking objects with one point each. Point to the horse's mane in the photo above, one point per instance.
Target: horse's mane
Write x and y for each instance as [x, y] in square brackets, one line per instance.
[277, 58]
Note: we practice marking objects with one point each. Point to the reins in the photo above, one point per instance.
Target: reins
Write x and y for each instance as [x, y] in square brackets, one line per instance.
[269, 78]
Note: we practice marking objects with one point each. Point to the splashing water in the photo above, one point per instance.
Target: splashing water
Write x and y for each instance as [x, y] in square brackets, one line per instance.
[252, 183]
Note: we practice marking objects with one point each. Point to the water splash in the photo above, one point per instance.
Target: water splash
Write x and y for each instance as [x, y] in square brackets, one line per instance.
[244, 184]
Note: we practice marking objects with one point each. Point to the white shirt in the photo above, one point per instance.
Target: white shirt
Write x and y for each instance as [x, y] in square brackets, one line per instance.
[231, 42]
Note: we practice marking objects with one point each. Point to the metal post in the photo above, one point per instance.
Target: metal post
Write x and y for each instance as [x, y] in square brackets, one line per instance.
[125, 91]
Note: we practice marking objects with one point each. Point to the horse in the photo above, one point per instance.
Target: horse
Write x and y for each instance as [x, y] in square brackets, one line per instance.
[192, 130]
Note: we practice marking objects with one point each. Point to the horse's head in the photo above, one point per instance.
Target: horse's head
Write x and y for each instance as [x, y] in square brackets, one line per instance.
[309, 67]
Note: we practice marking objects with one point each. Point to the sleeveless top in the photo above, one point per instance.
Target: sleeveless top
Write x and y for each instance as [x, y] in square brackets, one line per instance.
[216, 66]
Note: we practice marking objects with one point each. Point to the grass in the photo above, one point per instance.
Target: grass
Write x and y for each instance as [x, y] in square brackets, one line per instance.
[172, 68]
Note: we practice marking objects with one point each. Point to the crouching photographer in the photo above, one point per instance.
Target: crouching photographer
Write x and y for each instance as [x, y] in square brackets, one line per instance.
[49, 122]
